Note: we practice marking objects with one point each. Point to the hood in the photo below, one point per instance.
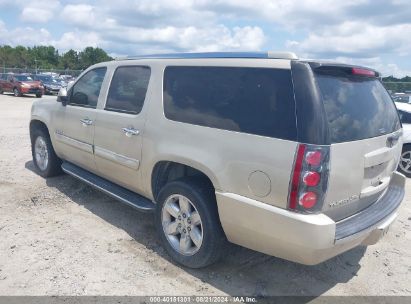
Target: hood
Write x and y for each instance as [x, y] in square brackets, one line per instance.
[31, 83]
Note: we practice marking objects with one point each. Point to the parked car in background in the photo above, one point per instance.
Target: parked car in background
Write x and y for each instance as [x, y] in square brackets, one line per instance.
[67, 78]
[404, 98]
[20, 84]
[51, 86]
[404, 110]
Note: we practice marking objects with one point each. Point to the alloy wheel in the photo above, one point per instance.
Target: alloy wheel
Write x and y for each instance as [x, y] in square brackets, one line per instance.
[182, 224]
[41, 153]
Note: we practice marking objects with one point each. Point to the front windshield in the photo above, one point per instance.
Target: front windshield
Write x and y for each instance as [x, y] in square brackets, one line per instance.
[45, 78]
[23, 78]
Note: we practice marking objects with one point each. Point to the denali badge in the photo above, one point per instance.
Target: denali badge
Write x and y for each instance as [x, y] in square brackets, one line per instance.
[344, 201]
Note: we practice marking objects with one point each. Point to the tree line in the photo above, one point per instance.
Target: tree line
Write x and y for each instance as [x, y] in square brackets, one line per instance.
[397, 84]
[48, 57]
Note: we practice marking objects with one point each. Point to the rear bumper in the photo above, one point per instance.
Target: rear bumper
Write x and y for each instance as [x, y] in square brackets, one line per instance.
[48, 90]
[306, 239]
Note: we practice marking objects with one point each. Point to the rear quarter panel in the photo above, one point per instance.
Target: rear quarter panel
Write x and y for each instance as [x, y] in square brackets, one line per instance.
[226, 157]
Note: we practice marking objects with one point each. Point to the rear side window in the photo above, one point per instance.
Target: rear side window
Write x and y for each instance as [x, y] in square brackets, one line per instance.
[405, 117]
[128, 89]
[86, 90]
[356, 107]
[251, 100]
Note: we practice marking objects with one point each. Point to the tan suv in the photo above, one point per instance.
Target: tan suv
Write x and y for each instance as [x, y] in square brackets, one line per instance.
[292, 158]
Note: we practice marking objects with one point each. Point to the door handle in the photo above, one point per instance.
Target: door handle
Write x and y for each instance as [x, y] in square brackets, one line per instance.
[86, 122]
[130, 131]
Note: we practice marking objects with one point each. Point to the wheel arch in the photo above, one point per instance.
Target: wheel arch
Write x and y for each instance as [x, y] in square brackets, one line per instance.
[165, 171]
[36, 124]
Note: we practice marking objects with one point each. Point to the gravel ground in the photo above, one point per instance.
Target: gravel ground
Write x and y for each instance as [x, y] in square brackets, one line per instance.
[61, 237]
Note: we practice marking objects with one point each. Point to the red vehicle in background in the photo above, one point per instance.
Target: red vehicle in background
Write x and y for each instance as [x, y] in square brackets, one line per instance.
[20, 84]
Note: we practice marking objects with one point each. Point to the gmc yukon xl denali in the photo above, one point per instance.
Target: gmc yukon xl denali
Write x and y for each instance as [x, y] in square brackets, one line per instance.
[292, 158]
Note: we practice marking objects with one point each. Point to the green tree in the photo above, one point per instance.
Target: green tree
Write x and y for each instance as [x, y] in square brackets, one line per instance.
[69, 60]
[90, 56]
[46, 57]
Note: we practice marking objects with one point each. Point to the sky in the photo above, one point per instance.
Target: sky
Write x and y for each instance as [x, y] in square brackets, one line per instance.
[374, 33]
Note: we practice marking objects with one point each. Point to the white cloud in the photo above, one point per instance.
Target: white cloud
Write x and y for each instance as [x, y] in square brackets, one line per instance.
[77, 41]
[40, 11]
[37, 15]
[356, 38]
[191, 38]
[359, 29]
[28, 35]
[79, 14]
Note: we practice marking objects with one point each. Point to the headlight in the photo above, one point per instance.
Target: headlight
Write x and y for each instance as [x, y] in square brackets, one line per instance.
[23, 85]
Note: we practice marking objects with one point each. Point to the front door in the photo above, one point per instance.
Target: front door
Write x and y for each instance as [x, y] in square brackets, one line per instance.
[75, 123]
[119, 127]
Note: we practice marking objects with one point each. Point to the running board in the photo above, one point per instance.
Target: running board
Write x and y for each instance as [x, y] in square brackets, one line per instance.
[122, 194]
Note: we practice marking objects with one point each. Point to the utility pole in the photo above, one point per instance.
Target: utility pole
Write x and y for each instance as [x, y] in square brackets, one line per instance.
[35, 61]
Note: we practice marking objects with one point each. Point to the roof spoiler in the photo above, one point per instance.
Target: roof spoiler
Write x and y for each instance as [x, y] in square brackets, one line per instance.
[343, 69]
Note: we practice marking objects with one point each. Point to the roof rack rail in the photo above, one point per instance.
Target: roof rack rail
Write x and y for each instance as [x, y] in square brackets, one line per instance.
[262, 55]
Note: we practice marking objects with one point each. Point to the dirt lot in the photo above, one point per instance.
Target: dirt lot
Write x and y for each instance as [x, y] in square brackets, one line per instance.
[60, 237]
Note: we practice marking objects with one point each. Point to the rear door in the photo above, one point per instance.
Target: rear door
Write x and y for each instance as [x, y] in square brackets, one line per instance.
[120, 125]
[365, 137]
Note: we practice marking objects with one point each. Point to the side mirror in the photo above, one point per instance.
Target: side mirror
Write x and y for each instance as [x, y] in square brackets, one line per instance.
[62, 97]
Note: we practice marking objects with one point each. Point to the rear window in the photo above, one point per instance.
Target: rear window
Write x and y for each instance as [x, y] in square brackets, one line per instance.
[357, 107]
[251, 100]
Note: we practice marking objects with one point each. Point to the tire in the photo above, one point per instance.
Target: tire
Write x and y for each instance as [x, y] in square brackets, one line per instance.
[42, 148]
[201, 200]
[16, 92]
[405, 162]
[39, 95]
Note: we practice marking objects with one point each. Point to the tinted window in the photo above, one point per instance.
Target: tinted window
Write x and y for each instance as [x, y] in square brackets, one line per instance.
[128, 89]
[86, 91]
[357, 107]
[251, 100]
[405, 117]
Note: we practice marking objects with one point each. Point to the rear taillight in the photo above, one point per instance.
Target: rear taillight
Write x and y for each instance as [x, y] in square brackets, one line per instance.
[308, 200]
[309, 178]
[313, 158]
